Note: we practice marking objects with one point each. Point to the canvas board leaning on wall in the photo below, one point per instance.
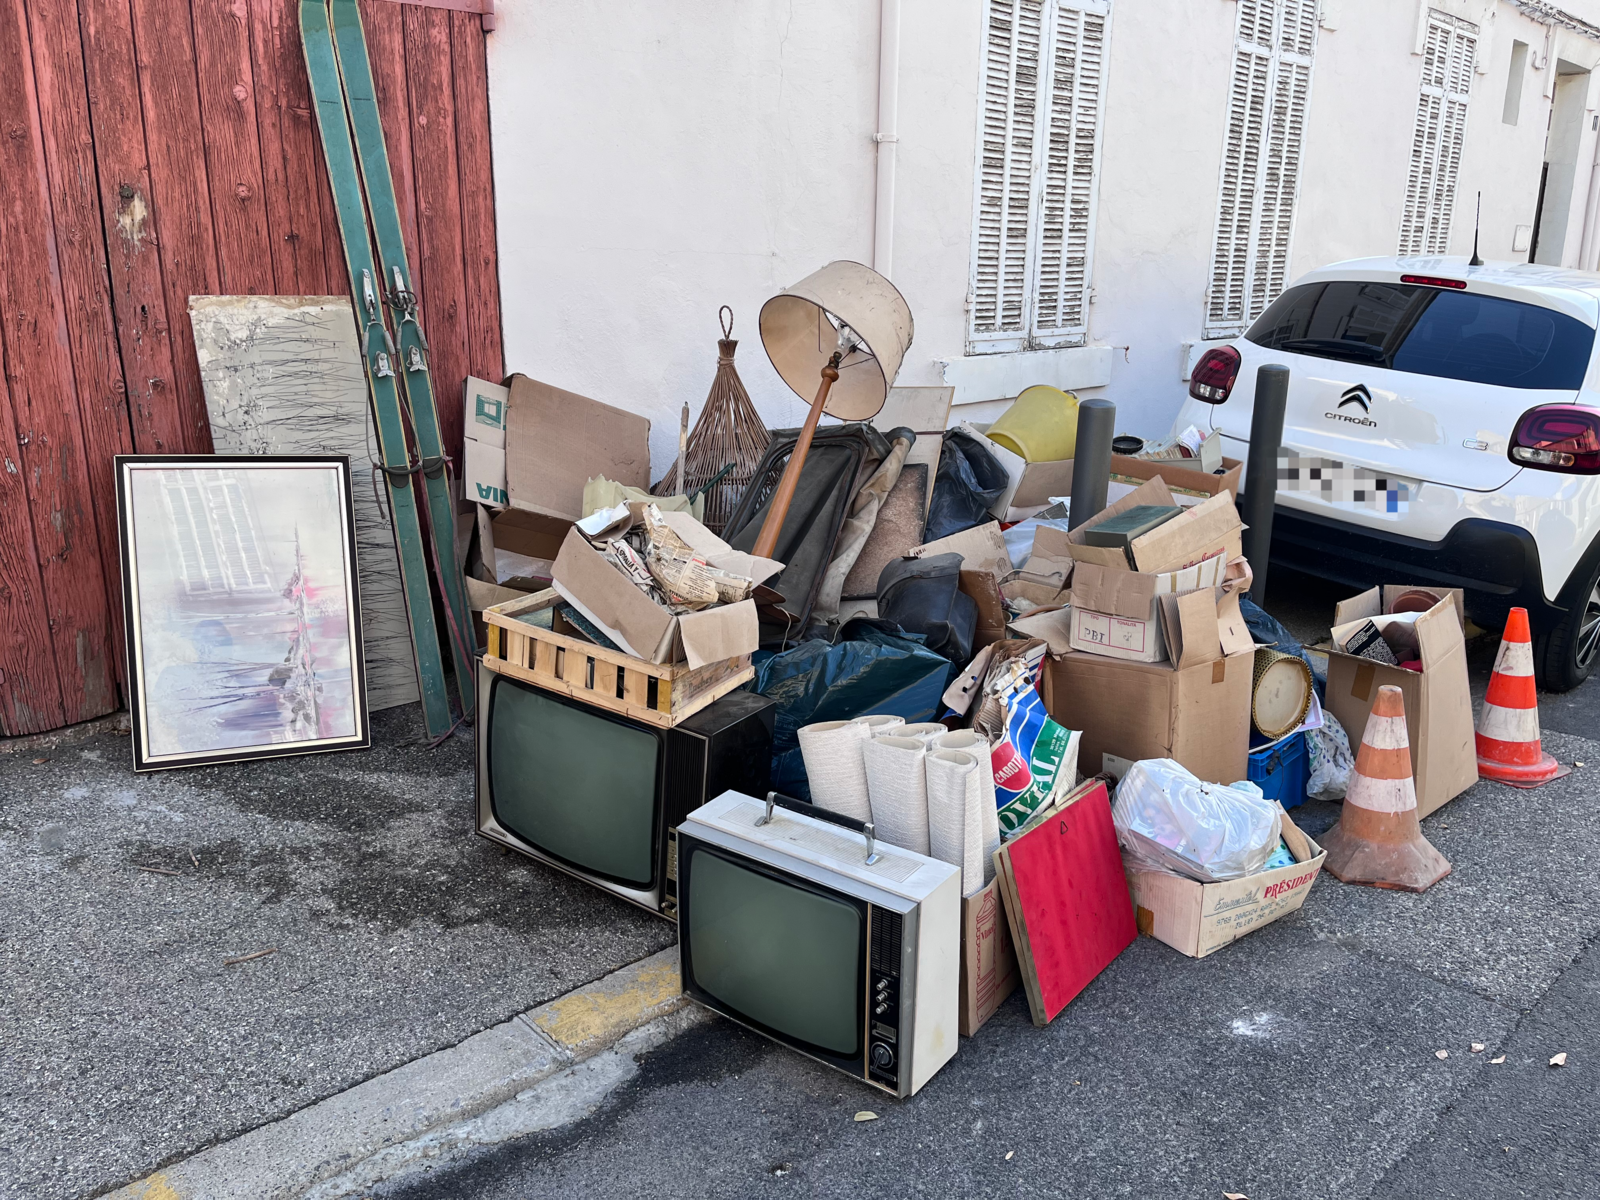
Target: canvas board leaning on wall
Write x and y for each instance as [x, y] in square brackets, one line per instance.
[243, 607]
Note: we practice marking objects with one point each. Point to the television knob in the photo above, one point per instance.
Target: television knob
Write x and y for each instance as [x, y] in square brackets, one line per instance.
[882, 1056]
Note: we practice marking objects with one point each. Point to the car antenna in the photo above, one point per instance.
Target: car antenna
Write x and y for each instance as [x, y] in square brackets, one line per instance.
[1475, 261]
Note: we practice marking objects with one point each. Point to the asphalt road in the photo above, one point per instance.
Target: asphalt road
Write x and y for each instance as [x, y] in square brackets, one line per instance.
[1297, 1063]
[126, 1043]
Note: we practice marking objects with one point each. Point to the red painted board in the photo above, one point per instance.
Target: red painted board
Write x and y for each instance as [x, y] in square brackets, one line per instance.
[86, 288]
[169, 93]
[133, 249]
[1073, 911]
[233, 147]
[443, 309]
[289, 150]
[484, 356]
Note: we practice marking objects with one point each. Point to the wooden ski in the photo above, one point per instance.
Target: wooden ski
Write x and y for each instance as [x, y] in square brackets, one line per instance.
[416, 382]
[378, 353]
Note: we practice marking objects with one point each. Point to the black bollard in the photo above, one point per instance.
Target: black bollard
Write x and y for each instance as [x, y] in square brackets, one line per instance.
[1091, 462]
[1261, 472]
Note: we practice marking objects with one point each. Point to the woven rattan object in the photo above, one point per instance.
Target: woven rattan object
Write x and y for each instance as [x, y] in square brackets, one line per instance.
[729, 431]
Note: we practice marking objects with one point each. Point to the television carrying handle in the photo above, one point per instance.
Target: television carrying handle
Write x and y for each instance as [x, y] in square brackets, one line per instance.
[865, 828]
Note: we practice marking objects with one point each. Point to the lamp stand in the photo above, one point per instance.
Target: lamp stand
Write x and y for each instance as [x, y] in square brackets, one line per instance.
[767, 542]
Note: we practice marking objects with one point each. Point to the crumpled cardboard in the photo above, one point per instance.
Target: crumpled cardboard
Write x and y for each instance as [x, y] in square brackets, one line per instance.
[647, 629]
[982, 548]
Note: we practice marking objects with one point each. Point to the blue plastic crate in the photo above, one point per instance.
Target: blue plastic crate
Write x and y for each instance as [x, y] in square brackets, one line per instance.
[1280, 769]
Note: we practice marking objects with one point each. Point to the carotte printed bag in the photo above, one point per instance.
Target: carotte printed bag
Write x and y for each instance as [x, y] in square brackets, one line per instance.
[1035, 761]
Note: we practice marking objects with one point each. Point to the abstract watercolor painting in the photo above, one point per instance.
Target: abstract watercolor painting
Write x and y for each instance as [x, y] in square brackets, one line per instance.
[243, 607]
[283, 375]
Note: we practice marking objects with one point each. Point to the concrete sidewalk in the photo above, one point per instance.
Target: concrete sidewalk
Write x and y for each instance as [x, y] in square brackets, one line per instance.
[127, 1043]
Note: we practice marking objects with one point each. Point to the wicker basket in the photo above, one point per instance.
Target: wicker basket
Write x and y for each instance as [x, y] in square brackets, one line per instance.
[556, 659]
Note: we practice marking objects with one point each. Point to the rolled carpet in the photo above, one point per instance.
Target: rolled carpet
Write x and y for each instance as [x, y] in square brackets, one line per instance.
[834, 766]
[897, 786]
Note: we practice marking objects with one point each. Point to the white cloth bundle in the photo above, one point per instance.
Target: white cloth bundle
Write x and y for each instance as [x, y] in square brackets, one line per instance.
[923, 731]
[834, 767]
[975, 744]
[897, 785]
[881, 722]
[955, 804]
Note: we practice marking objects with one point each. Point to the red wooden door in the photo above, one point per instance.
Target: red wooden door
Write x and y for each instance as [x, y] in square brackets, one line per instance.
[157, 149]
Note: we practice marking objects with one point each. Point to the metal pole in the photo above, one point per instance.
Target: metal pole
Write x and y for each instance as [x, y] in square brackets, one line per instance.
[1091, 463]
[1261, 471]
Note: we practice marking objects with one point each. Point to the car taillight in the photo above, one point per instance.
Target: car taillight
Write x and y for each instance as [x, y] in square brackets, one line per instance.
[1558, 437]
[1213, 376]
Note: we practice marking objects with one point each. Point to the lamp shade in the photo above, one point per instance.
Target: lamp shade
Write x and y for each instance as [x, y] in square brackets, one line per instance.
[800, 338]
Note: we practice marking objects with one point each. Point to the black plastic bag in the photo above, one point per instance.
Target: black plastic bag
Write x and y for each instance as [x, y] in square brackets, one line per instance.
[1267, 630]
[873, 671]
[924, 596]
[969, 481]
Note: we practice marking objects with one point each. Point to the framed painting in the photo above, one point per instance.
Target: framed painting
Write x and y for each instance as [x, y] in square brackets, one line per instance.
[243, 607]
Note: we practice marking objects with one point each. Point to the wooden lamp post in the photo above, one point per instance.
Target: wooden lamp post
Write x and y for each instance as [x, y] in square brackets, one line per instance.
[843, 330]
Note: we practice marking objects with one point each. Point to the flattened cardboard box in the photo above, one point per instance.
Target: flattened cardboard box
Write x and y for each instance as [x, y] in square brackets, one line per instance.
[1198, 715]
[1198, 918]
[988, 959]
[483, 464]
[1438, 698]
[556, 441]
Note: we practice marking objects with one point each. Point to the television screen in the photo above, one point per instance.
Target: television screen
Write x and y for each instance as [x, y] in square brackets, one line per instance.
[575, 782]
[782, 954]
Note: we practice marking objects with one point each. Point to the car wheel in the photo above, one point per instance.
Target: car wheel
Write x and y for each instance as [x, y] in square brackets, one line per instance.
[1571, 649]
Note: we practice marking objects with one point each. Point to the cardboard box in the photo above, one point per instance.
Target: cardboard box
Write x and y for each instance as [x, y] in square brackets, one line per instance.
[1199, 715]
[1438, 698]
[1183, 477]
[1197, 918]
[556, 441]
[521, 548]
[1208, 527]
[988, 959]
[1119, 613]
[483, 460]
[646, 629]
[1031, 484]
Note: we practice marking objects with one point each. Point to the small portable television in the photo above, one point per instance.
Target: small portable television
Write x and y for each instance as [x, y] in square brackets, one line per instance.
[598, 795]
[792, 922]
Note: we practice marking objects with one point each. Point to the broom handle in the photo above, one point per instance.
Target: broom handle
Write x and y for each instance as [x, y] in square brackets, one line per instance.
[784, 496]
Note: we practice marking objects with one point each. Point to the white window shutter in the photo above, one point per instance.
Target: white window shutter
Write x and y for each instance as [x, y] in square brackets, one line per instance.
[1007, 150]
[1077, 64]
[1441, 127]
[1262, 149]
[1044, 64]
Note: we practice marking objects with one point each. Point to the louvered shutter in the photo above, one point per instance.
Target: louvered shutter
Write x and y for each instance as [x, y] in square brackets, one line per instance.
[1008, 142]
[1265, 138]
[1075, 87]
[1436, 139]
[1038, 160]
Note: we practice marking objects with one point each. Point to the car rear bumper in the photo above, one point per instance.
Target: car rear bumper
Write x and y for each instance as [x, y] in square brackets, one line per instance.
[1497, 565]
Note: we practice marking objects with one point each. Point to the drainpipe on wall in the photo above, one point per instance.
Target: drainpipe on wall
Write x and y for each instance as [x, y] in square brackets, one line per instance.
[1591, 210]
[887, 135]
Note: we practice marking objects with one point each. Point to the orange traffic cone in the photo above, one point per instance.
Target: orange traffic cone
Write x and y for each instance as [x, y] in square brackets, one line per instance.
[1378, 840]
[1509, 750]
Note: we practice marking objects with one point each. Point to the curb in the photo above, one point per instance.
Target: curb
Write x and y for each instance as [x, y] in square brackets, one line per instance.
[335, 1136]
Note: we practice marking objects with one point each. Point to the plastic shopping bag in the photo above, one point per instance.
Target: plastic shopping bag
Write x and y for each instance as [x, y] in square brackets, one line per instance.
[1173, 821]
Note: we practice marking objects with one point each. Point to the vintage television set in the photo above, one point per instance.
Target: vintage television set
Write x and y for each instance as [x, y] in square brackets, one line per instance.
[793, 923]
[596, 794]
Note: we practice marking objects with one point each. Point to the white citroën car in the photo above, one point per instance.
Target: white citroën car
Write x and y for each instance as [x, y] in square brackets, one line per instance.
[1443, 427]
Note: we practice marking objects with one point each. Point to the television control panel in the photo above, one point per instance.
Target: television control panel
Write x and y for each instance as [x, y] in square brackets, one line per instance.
[883, 999]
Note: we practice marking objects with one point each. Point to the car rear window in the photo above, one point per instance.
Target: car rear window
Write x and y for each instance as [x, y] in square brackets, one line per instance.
[1430, 331]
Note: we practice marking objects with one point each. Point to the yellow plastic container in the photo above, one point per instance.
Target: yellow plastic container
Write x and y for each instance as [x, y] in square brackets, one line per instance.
[1041, 424]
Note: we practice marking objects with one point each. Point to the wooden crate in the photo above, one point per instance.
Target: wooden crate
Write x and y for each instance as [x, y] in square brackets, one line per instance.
[557, 660]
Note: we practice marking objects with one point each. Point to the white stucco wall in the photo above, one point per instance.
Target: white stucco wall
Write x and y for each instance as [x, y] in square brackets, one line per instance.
[656, 161]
